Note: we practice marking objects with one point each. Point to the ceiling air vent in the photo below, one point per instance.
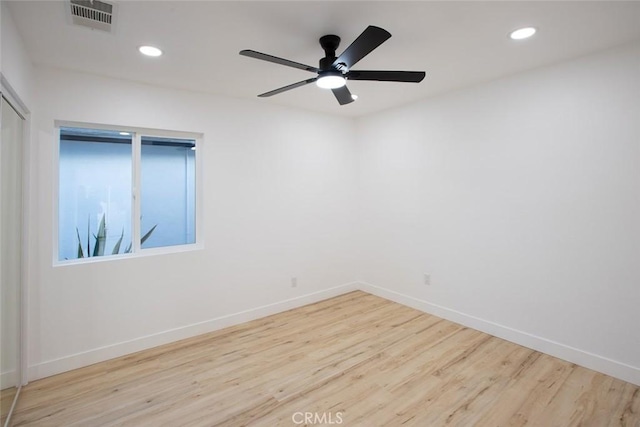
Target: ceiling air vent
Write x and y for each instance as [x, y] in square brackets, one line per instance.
[92, 13]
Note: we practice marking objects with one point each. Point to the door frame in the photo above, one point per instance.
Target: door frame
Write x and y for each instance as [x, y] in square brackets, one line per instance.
[10, 95]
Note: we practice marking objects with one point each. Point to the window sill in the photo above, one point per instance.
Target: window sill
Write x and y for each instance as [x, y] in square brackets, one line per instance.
[166, 250]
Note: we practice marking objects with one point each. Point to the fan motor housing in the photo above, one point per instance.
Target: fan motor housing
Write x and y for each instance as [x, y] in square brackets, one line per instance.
[329, 44]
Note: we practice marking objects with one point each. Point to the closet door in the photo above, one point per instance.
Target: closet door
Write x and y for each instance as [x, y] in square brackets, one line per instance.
[11, 145]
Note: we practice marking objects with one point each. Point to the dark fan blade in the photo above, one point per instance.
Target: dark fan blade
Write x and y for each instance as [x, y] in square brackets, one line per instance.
[342, 95]
[387, 76]
[286, 88]
[276, 60]
[371, 38]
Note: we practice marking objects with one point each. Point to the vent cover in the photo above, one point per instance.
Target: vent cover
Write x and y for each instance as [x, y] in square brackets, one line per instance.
[92, 13]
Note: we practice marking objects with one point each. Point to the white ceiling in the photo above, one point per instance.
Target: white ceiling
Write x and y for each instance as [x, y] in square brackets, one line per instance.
[457, 43]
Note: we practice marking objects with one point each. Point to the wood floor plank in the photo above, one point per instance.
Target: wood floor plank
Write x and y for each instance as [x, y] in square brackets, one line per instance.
[357, 358]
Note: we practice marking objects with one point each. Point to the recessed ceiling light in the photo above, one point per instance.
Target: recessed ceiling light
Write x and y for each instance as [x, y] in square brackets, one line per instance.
[150, 51]
[522, 33]
[354, 96]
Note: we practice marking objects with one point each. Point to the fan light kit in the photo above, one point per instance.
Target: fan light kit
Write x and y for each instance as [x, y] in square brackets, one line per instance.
[522, 33]
[333, 72]
[331, 80]
[150, 51]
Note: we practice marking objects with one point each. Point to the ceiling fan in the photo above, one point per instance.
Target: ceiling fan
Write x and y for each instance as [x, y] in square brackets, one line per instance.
[333, 72]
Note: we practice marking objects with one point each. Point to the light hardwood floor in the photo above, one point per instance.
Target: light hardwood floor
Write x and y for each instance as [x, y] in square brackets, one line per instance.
[6, 400]
[354, 360]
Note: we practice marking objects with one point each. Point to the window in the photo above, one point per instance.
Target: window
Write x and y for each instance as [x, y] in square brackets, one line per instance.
[167, 191]
[125, 191]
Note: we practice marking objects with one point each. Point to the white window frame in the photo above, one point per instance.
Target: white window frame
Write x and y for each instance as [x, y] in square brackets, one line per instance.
[137, 133]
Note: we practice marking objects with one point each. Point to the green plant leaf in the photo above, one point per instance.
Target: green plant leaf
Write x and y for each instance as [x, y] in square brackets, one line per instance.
[146, 236]
[80, 252]
[116, 248]
[88, 235]
[101, 238]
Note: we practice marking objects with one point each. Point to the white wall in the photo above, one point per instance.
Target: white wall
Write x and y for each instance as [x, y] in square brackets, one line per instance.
[521, 199]
[279, 202]
[15, 66]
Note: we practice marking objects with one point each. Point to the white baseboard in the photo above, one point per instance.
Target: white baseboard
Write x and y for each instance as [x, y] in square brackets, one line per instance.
[579, 357]
[78, 360]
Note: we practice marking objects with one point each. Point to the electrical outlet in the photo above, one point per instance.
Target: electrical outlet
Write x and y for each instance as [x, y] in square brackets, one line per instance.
[427, 279]
[294, 282]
